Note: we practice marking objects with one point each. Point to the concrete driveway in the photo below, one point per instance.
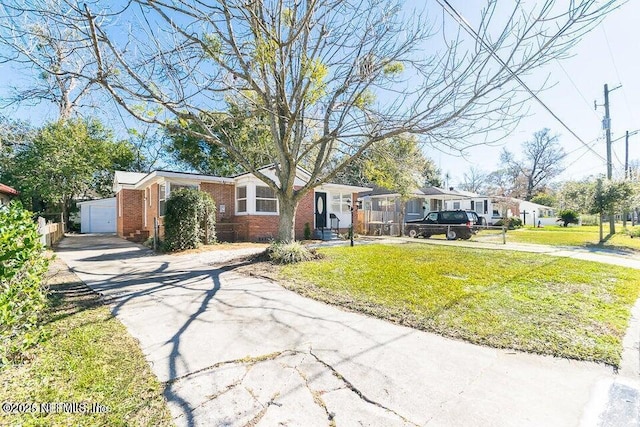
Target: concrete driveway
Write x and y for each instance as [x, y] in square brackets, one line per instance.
[236, 350]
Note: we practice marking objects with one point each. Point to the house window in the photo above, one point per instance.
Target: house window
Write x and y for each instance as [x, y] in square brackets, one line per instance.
[414, 207]
[164, 192]
[456, 205]
[241, 198]
[266, 200]
[175, 187]
[162, 199]
[339, 202]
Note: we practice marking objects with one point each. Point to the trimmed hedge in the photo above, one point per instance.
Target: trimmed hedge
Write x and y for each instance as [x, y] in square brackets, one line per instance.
[23, 297]
[190, 219]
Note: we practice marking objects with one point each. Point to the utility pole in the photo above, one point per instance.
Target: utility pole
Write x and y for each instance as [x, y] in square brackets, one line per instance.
[606, 123]
[626, 156]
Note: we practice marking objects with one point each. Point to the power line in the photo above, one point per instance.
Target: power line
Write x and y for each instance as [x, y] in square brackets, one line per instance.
[577, 90]
[467, 27]
[615, 67]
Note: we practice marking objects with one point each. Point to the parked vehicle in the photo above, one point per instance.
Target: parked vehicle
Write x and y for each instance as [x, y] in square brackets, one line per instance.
[453, 224]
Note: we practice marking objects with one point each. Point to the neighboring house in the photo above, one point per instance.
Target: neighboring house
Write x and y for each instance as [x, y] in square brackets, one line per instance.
[6, 194]
[247, 209]
[98, 216]
[381, 208]
[533, 213]
[493, 208]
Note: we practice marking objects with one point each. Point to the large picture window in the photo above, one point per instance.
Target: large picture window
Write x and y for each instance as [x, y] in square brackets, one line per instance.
[241, 197]
[266, 200]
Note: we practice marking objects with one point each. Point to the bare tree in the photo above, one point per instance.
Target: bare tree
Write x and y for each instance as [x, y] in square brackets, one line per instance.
[39, 39]
[475, 180]
[332, 76]
[541, 162]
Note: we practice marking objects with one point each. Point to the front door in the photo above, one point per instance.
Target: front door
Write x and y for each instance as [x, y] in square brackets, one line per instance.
[321, 210]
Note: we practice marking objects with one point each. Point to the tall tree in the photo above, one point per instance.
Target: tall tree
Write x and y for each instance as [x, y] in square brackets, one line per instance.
[241, 127]
[65, 160]
[39, 35]
[474, 180]
[331, 76]
[540, 163]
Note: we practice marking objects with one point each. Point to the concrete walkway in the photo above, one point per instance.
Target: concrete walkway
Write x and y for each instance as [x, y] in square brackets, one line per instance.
[235, 350]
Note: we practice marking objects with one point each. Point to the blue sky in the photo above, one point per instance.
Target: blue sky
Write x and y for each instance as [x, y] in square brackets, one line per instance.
[609, 54]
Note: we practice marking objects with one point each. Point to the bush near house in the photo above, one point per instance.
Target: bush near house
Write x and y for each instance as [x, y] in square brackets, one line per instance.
[569, 216]
[23, 295]
[511, 223]
[189, 220]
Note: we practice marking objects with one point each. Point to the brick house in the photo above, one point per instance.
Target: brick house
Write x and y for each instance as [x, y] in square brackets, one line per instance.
[247, 209]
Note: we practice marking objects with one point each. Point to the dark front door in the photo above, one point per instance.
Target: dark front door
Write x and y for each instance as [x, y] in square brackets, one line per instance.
[321, 210]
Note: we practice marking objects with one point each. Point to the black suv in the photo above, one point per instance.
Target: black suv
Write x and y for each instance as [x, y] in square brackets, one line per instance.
[453, 224]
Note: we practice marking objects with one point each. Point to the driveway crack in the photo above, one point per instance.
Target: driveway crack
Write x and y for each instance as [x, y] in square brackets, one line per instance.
[357, 392]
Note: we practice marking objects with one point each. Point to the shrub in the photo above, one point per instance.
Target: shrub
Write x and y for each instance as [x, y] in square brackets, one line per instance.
[633, 232]
[288, 253]
[511, 223]
[23, 295]
[189, 220]
[307, 231]
[568, 216]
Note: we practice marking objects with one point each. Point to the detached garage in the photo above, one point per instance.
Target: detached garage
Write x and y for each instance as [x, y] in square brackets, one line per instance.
[98, 216]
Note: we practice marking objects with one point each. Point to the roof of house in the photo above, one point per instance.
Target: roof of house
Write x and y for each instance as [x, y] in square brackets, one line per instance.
[424, 191]
[136, 180]
[130, 178]
[5, 189]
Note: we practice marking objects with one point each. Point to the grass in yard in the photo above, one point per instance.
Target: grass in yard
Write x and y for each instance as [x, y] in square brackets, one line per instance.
[529, 302]
[569, 236]
[89, 358]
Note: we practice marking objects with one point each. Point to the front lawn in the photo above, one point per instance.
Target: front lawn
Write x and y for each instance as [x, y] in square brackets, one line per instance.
[524, 301]
[89, 359]
[573, 236]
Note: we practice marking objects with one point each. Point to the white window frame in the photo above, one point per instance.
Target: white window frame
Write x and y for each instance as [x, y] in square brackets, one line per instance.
[245, 198]
[167, 192]
[274, 198]
[162, 197]
[342, 203]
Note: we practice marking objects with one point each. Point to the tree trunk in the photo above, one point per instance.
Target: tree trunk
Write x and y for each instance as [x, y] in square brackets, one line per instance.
[601, 237]
[403, 210]
[287, 219]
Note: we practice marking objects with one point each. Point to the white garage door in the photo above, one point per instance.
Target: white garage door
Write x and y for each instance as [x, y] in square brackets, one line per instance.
[102, 219]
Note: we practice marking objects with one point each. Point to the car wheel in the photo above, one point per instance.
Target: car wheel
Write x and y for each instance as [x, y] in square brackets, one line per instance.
[452, 235]
[413, 233]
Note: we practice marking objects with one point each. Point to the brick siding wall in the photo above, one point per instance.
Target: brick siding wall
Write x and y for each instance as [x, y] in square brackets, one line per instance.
[131, 219]
[223, 194]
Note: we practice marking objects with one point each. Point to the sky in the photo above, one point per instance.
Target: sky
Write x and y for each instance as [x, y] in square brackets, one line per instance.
[610, 54]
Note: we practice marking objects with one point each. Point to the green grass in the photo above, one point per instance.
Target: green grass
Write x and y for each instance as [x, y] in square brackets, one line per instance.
[523, 301]
[573, 236]
[88, 358]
